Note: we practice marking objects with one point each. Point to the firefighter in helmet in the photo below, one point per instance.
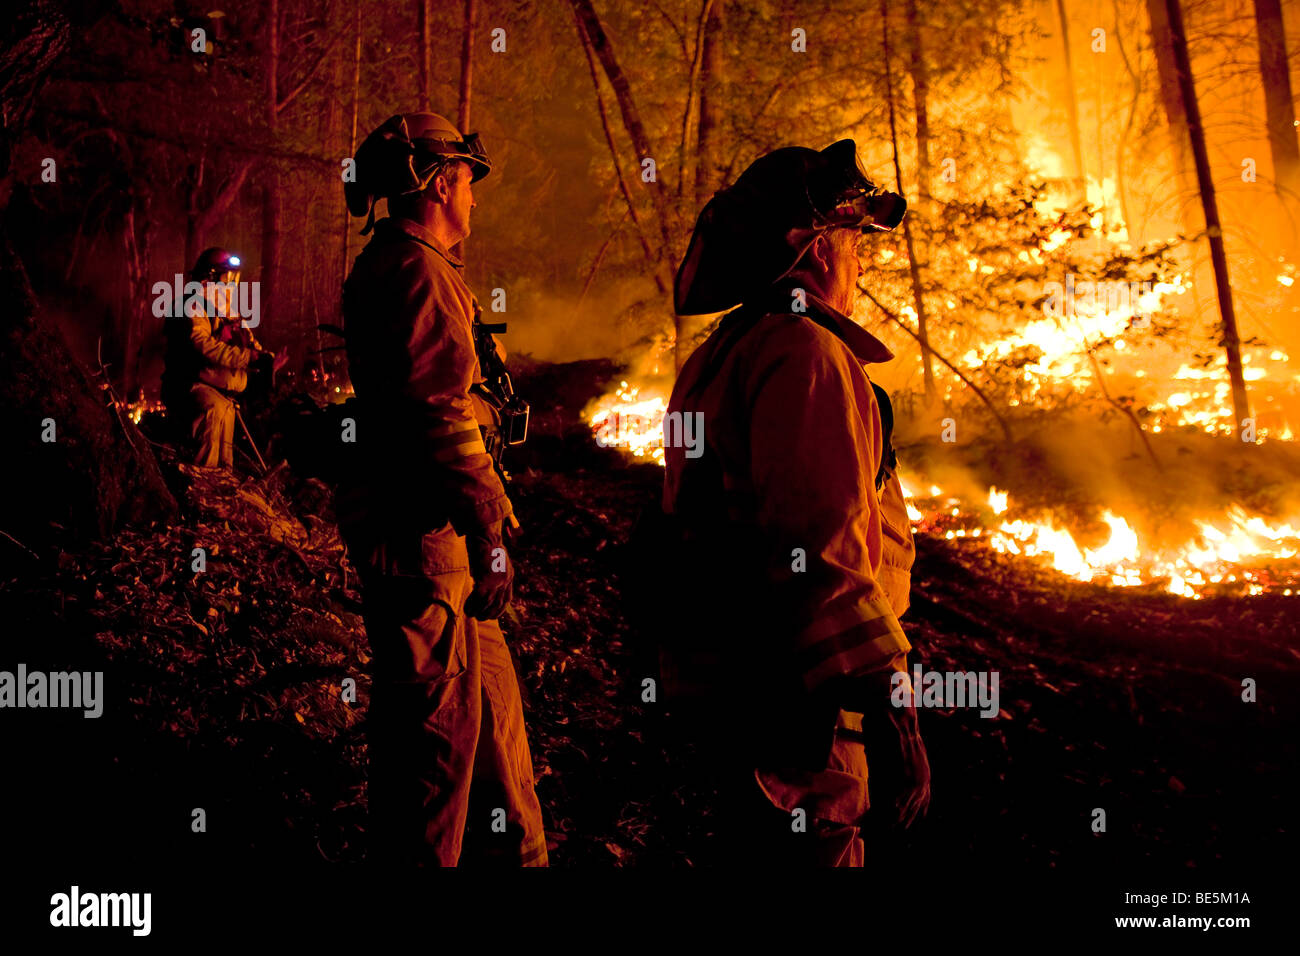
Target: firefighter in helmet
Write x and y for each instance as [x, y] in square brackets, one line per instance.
[791, 543]
[209, 357]
[423, 514]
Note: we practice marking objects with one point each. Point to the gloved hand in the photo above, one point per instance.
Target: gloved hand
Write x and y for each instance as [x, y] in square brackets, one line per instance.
[493, 574]
[914, 768]
[896, 753]
[511, 529]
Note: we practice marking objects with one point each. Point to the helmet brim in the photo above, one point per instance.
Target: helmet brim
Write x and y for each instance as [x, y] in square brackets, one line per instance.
[754, 232]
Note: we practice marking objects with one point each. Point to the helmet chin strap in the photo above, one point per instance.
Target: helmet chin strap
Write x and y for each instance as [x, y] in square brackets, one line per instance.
[370, 218]
[424, 181]
[423, 184]
[436, 164]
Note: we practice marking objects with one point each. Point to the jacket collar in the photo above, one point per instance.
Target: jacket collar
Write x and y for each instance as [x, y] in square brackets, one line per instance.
[412, 229]
[865, 346]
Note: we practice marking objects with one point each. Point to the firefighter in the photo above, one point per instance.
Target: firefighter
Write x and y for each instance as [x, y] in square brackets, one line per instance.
[209, 356]
[792, 543]
[423, 516]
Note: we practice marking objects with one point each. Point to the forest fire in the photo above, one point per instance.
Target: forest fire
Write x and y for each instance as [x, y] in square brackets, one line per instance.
[338, 353]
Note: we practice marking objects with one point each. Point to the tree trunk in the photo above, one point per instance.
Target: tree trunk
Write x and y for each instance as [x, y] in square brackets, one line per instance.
[590, 23]
[1276, 77]
[270, 239]
[920, 96]
[712, 98]
[1136, 235]
[204, 219]
[1171, 97]
[1099, 98]
[467, 64]
[1187, 89]
[604, 51]
[466, 83]
[688, 147]
[423, 55]
[655, 261]
[1072, 103]
[193, 185]
[137, 273]
[914, 267]
[352, 137]
[271, 184]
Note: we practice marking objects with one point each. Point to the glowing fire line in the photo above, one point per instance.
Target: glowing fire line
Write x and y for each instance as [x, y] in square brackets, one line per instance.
[1219, 554]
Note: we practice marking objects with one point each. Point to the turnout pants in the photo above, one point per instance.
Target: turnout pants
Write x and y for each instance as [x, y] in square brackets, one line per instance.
[451, 778]
[213, 426]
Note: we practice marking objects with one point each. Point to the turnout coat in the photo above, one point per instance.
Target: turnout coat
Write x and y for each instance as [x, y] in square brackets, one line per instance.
[795, 552]
[408, 317]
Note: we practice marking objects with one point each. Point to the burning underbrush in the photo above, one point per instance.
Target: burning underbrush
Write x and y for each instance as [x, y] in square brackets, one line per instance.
[225, 686]
[1190, 513]
[1183, 509]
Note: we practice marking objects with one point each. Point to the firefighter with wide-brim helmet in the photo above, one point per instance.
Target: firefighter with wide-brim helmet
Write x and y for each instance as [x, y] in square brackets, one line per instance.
[423, 511]
[210, 354]
[786, 531]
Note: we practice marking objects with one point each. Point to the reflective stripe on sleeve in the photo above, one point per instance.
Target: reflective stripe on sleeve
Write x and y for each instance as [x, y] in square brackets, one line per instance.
[469, 445]
[453, 428]
[857, 639]
[448, 442]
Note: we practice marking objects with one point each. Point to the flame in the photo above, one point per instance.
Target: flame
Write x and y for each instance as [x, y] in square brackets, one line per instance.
[1050, 356]
[1059, 345]
[628, 421]
[1057, 351]
[136, 410]
[1227, 550]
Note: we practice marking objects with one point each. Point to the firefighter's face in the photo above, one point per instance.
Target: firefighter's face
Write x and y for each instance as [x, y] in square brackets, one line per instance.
[457, 196]
[219, 292]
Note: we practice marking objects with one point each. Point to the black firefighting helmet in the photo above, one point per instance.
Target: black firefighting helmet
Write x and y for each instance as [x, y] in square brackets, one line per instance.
[215, 262]
[754, 232]
[404, 154]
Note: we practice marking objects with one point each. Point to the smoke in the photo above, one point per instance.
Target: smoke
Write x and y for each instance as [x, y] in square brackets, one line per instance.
[621, 319]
